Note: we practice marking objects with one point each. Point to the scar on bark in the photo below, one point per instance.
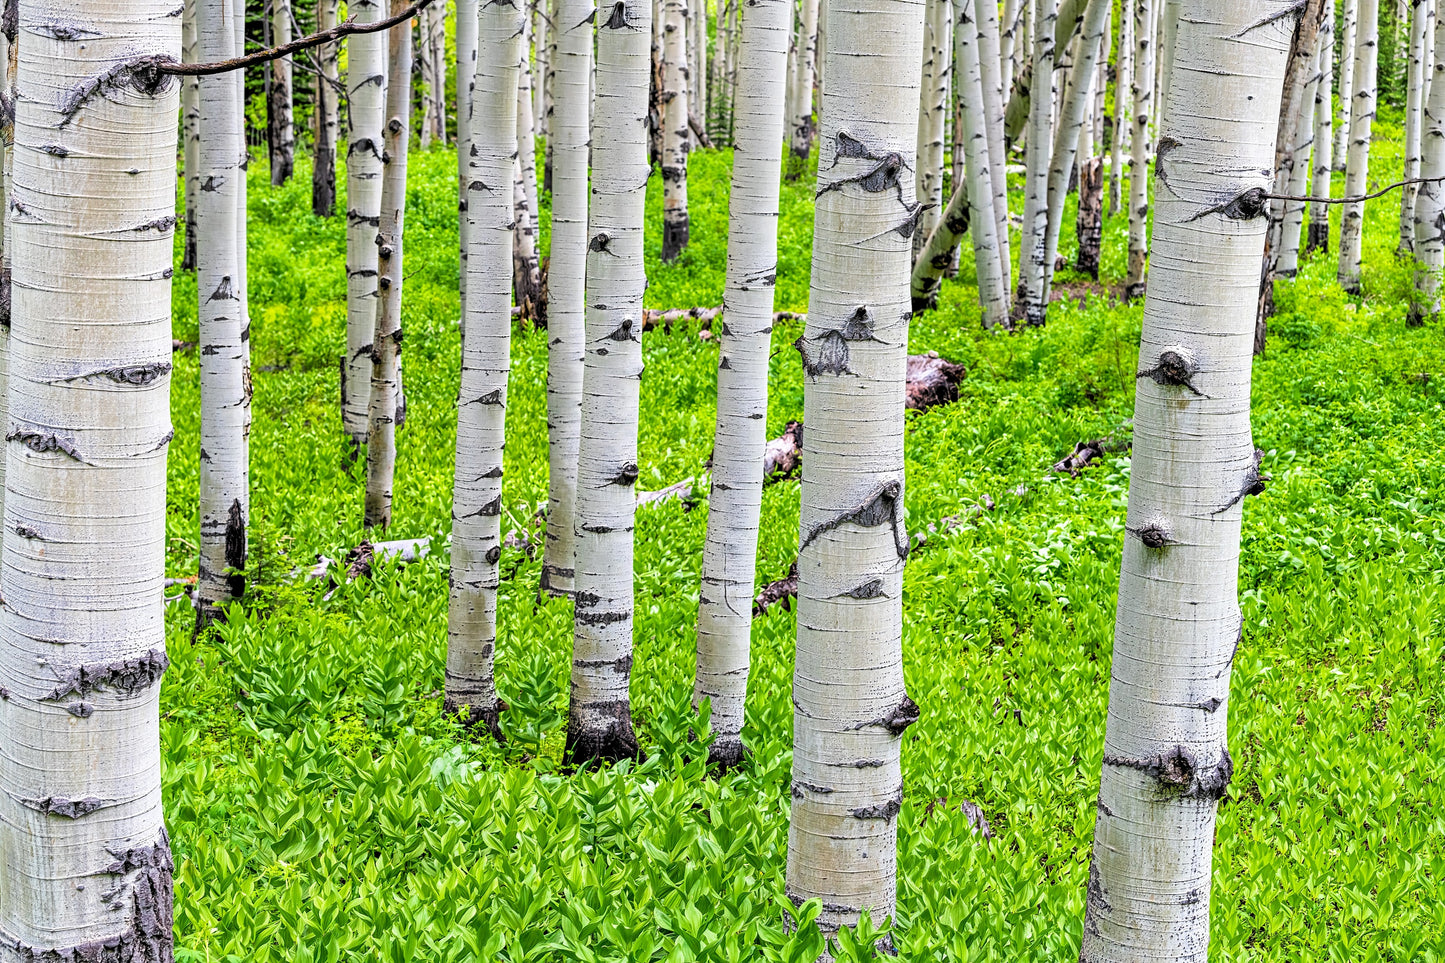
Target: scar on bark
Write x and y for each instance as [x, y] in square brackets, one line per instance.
[882, 176]
[1295, 9]
[1153, 535]
[1179, 773]
[138, 375]
[143, 75]
[799, 787]
[1253, 483]
[883, 505]
[68, 808]
[128, 676]
[898, 719]
[1245, 206]
[42, 443]
[885, 810]
[594, 746]
[827, 353]
[236, 549]
[1166, 144]
[1173, 368]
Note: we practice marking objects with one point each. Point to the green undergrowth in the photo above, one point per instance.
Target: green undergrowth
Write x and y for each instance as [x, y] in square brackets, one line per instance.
[322, 809]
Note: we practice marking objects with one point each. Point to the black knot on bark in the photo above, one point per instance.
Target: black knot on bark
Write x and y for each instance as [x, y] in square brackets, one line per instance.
[1179, 773]
[1245, 206]
[1173, 368]
[905, 714]
[618, 18]
[626, 475]
[1152, 535]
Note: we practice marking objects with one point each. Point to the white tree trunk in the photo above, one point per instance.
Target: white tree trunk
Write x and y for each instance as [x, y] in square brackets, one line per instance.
[486, 343]
[366, 96]
[850, 705]
[1033, 244]
[190, 139]
[88, 867]
[697, 46]
[599, 724]
[1123, 97]
[242, 203]
[1166, 762]
[1319, 230]
[466, 45]
[1347, 82]
[426, 66]
[1143, 96]
[1421, 31]
[526, 265]
[571, 138]
[801, 121]
[543, 68]
[323, 165]
[9, 29]
[1357, 165]
[386, 402]
[994, 92]
[1297, 168]
[225, 505]
[283, 130]
[729, 559]
[932, 116]
[1011, 26]
[1430, 204]
[675, 134]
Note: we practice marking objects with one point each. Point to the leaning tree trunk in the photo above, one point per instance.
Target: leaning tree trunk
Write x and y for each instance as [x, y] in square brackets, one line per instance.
[729, 558]
[1430, 204]
[323, 168]
[675, 134]
[386, 403]
[471, 685]
[1123, 87]
[1143, 95]
[571, 139]
[526, 265]
[225, 503]
[1318, 238]
[599, 721]
[1357, 166]
[849, 698]
[366, 98]
[466, 41]
[87, 860]
[190, 136]
[932, 117]
[1297, 167]
[800, 142]
[1347, 82]
[1414, 103]
[1166, 762]
[1033, 243]
[282, 128]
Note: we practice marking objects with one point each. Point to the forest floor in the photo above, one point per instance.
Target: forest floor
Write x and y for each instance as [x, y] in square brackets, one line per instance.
[321, 808]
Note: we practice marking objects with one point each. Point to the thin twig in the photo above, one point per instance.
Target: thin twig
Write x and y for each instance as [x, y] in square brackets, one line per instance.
[1359, 198]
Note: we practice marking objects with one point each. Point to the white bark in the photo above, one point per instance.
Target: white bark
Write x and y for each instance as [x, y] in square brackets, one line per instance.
[1011, 26]
[932, 116]
[1357, 165]
[1034, 240]
[724, 617]
[675, 134]
[486, 343]
[283, 130]
[697, 47]
[1123, 97]
[1143, 96]
[1168, 13]
[565, 275]
[8, 65]
[386, 402]
[1430, 204]
[225, 505]
[427, 25]
[190, 141]
[466, 45]
[1347, 82]
[1319, 231]
[1166, 762]
[1421, 31]
[994, 92]
[323, 164]
[849, 698]
[242, 204]
[801, 120]
[1296, 171]
[526, 265]
[543, 68]
[87, 863]
[599, 724]
[366, 95]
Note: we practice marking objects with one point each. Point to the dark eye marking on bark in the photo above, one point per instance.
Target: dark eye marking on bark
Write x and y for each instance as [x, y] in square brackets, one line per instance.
[54, 150]
[617, 20]
[25, 531]
[1253, 484]
[883, 505]
[1293, 10]
[622, 666]
[64, 31]
[828, 354]
[886, 810]
[129, 676]
[799, 787]
[81, 710]
[42, 443]
[1173, 368]
[1166, 144]
[144, 75]
[69, 808]
[1153, 535]
[626, 475]
[601, 243]
[1209, 705]
[868, 590]
[602, 618]
[356, 217]
[136, 375]
[1179, 773]
[1245, 206]
[223, 292]
[493, 397]
[212, 183]
[160, 225]
[860, 764]
[898, 719]
[624, 331]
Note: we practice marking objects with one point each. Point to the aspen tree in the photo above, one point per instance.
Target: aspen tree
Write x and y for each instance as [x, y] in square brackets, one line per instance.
[849, 698]
[426, 66]
[800, 140]
[366, 113]
[323, 166]
[526, 264]
[1357, 165]
[1166, 763]
[932, 114]
[9, 34]
[1347, 82]
[190, 136]
[1296, 171]
[225, 358]
[571, 138]
[1143, 97]
[1123, 97]
[466, 42]
[386, 404]
[599, 723]
[88, 867]
[1033, 244]
[486, 342]
[282, 129]
[724, 616]
[543, 69]
[1010, 26]
[994, 88]
[1318, 238]
[675, 133]
[1430, 204]
[1421, 30]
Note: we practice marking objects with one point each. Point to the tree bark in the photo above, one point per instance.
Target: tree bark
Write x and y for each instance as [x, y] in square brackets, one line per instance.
[848, 690]
[426, 67]
[800, 141]
[190, 137]
[1347, 82]
[571, 138]
[1430, 204]
[1357, 165]
[88, 864]
[1166, 763]
[323, 168]
[1090, 223]
[599, 724]
[991, 77]
[366, 99]
[724, 618]
[386, 402]
[1296, 160]
[1123, 94]
[282, 130]
[540, 33]
[932, 112]
[526, 265]
[1318, 238]
[1421, 31]
[1143, 96]
[1033, 244]
[9, 34]
[466, 44]
[675, 133]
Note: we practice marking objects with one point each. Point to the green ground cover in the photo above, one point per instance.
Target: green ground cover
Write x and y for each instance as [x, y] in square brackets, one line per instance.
[321, 808]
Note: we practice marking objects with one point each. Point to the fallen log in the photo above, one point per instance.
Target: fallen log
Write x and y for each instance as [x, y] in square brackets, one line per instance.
[682, 490]
[780, 592]
[357, 562]
[932, 381]
[783, 455]
[1086, 453]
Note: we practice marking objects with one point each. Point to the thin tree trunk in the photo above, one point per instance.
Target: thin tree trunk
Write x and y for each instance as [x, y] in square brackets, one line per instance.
[675, 133]
[801, 121]
[466, 45]
[366, 113]
[994, 87]
[1089, 226]
[1318, 238]
[1357, 166]
[724, 618]
[527, 285]
[386, 402]
[543, 69]
[697, 23]
[1123, 97]
[1421, 30]
[1143, 96]
[426, 67]
[1168, 13]
[599, 723]
[1347, 82]
[1011, 24]
[9, 35]
[1034, 242]
[283, 130]
[481, 405]
[88, 864]
[1430, 204]
[225, 504]
[190, 135]
[1297, 166]
[1166, 762]
[717, 105]
[439, 58]
[323, 170]
[932, 110]
[848, 690]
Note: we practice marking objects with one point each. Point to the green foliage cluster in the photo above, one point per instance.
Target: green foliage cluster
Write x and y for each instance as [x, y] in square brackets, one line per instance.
[322, 809]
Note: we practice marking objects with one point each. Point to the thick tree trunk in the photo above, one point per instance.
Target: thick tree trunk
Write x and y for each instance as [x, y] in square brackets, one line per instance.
[848, 691]
[386, 401]
[1357, 165]
[800, 124]
[282, 130]
[1430, 204]
[1033, 244]
[9, 35]
[932, 116]
[466, 45]
[225, 504]
[1318, 238]
[481, 405]
[87, 861]
[1421, 31]
[675, 133]
[366, 97]
[323, 169]
[1143, 97]
[724, 618]
[599, 724]
[1166, 762]
[190, 136]
[526, 264]
[565, 274]
[1347, 82]
[1123, 97]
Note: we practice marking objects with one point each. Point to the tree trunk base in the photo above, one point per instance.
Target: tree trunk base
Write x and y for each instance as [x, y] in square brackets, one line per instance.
[478, 718]
[595, 746]
[726, 754]
[674, 235]
[1318, 238]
